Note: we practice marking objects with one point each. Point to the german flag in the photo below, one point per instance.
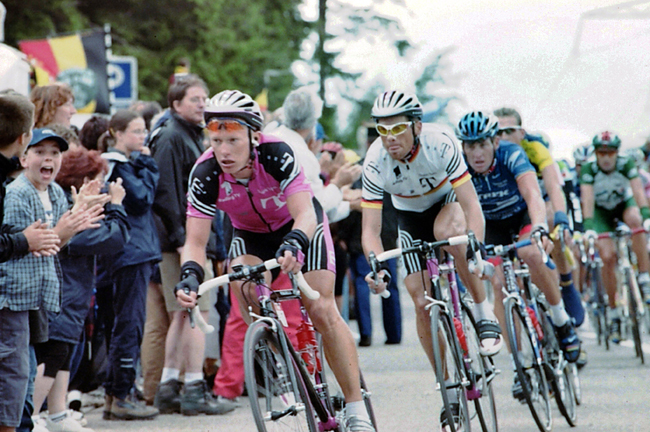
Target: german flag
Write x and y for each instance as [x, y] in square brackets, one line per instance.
[78, 60]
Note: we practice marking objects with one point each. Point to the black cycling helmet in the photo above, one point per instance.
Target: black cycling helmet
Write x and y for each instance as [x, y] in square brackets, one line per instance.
[476, 126]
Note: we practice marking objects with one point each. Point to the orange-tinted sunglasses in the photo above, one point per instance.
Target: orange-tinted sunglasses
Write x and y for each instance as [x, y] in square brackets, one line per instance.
[228, 125]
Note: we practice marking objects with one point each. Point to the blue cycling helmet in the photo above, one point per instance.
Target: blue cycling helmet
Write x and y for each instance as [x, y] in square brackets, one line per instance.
[476, 126]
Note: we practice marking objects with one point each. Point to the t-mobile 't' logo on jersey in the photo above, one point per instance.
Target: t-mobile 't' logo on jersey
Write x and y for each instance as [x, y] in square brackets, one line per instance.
[276, 200]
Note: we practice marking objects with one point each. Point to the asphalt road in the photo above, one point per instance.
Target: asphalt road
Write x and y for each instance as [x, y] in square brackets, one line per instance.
[615, 389]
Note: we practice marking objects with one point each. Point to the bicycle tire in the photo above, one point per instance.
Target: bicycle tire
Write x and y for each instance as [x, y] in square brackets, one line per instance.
[600, 309]
[531, 374]
[577, 386]
[481, 372]
[632, 285]
[448, 362]
[278, 403]
[337, 400]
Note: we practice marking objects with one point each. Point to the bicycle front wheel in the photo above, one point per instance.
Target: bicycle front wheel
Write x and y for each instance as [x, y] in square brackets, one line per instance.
[276, 390]
[598, 306]
[449, 371]
[529, 371]
[564, 391]
[481, 372]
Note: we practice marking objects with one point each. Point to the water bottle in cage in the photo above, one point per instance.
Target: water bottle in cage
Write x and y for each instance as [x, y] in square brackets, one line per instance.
[461, 335]
[307, 346]
[533, 318]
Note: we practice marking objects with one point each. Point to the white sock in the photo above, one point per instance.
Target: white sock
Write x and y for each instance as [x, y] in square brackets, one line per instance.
[644, 277]
[357, 409]
[483, 311]
[169, 374]
[190, 377]
[559, 315]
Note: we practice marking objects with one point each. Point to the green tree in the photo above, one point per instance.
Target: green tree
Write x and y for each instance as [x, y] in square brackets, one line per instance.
[230, 44]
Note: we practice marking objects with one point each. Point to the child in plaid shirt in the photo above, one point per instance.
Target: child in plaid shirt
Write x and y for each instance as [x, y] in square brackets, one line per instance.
[31, 282]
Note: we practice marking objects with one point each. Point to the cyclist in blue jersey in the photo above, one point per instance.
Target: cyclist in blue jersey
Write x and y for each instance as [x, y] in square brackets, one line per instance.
[512, 203]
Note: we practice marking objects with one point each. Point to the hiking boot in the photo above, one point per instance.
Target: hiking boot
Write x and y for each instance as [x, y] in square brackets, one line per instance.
[615, 330]
[108, 401]
[168, 397]
[455, 413]
[198, 400]
[569, 342]
[357, 424]
[128, 409]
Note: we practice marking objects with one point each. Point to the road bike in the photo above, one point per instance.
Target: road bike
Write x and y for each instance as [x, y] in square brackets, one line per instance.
[595, 290]
[462, 373]
[539, 362]
[287, 386]
[629, 300]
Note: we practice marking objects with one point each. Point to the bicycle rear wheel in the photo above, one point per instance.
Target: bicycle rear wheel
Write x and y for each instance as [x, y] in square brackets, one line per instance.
[633, 289]
[276, 390]
[481, 372]
[449, 369]
[529, 371]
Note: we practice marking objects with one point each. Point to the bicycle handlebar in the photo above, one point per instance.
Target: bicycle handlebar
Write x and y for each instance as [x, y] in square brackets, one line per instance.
[246, 271]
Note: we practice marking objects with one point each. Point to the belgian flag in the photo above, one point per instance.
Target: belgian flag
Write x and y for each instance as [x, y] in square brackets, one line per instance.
[78, 60]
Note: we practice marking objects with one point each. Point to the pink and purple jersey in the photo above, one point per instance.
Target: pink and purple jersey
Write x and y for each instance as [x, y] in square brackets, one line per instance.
[256, 205]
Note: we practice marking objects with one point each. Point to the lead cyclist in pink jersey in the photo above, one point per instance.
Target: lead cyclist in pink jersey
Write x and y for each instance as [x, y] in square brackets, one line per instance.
[257, 181]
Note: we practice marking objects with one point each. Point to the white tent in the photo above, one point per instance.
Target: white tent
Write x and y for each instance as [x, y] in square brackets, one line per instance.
[14, 70]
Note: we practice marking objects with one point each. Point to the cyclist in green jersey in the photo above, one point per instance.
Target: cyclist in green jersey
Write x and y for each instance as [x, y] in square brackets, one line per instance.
[611, 190]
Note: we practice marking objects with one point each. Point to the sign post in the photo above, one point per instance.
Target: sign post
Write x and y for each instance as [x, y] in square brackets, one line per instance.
[122, 81]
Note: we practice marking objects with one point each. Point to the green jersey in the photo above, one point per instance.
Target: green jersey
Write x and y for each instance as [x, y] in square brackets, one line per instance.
[610, 189]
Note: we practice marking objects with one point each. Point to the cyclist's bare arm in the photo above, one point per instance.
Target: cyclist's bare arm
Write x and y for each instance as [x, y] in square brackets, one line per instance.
[197, 233]
[529, 189]
[468, 200]
[552, 183]
[587, 200]
[638, 191]
[371, 241]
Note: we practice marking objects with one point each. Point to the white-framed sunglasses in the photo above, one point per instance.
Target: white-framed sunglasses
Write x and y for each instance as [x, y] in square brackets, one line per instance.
[394, 129]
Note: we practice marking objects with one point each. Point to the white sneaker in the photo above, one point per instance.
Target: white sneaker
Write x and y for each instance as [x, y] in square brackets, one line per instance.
[67, 424]
[79, 416]
[357, 424]
[39, 424]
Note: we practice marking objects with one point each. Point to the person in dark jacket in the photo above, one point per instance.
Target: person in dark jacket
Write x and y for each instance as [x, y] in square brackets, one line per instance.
[81, 170]
[131, 268]
[176, 145]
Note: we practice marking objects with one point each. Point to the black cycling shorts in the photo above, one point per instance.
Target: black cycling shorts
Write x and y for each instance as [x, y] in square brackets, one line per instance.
[415, 227]
[320, 255]
[504, 231]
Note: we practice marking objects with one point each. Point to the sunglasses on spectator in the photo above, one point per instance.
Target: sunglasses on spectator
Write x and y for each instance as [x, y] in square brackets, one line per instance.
[394, 129]
[228, 125]
[508, 130]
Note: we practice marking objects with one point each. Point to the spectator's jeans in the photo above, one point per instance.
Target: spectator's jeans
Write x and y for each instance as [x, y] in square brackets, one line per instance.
[129, 305]
[391, 311]
[26, 423]
[14, 365]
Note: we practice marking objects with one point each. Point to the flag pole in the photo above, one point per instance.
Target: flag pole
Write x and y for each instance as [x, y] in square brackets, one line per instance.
[108, 43]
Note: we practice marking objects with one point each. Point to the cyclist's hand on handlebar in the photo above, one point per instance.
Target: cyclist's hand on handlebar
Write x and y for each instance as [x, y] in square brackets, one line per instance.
[543, 234]
[186, 292]
[382, 280]
[290, 256]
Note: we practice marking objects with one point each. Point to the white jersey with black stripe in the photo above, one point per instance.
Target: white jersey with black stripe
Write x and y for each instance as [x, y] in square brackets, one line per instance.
[420, 182]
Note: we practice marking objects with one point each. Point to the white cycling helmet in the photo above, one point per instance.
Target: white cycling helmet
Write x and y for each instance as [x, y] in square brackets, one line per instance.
[476, 126]
[235, 104]
[394, 103]
[583, 153]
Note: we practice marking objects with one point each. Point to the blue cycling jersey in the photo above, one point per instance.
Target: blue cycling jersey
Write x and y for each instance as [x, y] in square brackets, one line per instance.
[497, 190]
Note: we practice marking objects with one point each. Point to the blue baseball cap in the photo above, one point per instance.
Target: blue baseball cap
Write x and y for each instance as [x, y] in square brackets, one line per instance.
[42, 134]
